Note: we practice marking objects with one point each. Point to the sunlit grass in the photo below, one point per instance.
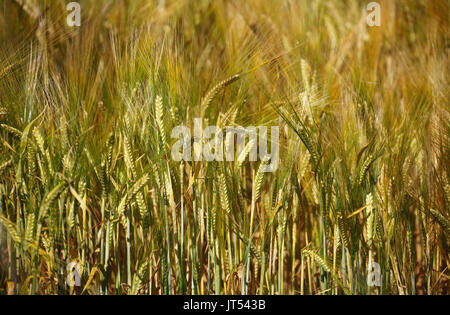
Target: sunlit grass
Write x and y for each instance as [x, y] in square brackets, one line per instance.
[86, 173]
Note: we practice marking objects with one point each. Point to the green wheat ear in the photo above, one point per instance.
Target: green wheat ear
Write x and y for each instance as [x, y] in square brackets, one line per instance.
[11, 130]
[160, 121]
[442, 220]
[325, 265]
[224, 198]
[49, 198]
[129, 159]
[259, 178]
[320, 261]
[342, 226]
[109, 155]
[11, 229]
[139, 278]
[120, 211]
[139, 196]
[30, 224]
[379, 229]
[365, 167]
[5, 165]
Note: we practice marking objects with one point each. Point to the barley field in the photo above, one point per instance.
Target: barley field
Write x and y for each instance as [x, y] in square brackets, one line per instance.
[359, 201]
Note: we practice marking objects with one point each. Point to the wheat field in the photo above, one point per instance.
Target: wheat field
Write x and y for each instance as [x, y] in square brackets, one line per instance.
[359, 203]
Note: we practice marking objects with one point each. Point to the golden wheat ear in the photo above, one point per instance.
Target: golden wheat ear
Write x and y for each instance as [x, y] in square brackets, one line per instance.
[215, 90]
